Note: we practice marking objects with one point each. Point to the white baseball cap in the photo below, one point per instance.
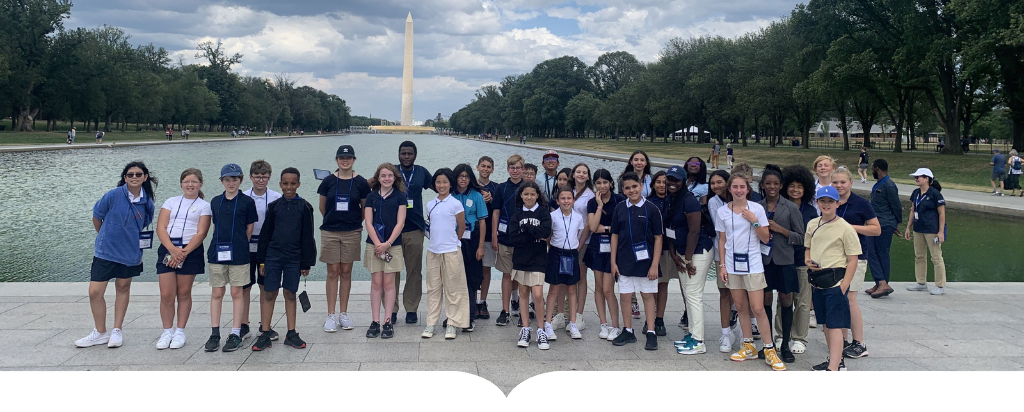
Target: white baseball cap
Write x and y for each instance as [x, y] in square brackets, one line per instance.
[924, 171]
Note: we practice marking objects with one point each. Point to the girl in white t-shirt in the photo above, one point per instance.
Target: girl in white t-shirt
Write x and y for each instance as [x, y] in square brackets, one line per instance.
[742, 226]
[182, 226]
[446, 274]
[562, 272]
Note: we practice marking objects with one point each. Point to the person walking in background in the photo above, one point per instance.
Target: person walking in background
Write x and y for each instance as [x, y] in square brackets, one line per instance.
[927, 226]
[99, 137]
[998, 164]
[169, 133]
[862, 165]
[71, 136]
[1013, 177]
[714, 154]
[885, 201]
[729, 154]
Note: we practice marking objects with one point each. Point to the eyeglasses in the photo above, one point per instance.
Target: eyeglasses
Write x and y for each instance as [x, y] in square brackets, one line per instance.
[259, 177]
[134, 175]
[515, 168]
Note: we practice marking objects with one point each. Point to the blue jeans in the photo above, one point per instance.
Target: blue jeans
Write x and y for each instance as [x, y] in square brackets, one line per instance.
[878, 254]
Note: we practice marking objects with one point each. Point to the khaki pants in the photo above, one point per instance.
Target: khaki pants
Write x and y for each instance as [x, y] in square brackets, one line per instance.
[924, 241]
[801, 309]
[693, 292]
[412, 251]
[446, 277]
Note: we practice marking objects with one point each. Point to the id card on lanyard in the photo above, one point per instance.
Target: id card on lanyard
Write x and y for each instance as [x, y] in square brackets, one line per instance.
[145, 236]
[408, 184]
[224, 250]
[566, 262]
[341, 200]
[917, 205]
[254, 243]
[503, 218]
[177, 241]
[740, 261]
[639, 248]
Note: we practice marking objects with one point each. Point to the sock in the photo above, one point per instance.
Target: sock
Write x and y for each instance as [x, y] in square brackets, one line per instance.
[479, 302]
[630, 330]
[726, 331]
[169, 331]
[768, 311]
[216, 330]
[787, 325]
[732, 307]
[769, 345]
[236, 331]
[650, 332]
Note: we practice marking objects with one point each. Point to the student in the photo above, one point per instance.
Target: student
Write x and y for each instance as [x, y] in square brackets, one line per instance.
[786, 225]
[502, 209]
[659, 197]
[831, 256]
[181, 228]
[467, 192]
[927, 226]
[797, 182]
[562, 272]
[259, 172]
[856, 211]
[583, 190]
[718, 187]
[342, 197]
[286, 251]
[823, 167]
[120, 218]
[417, 179]
[229, 254]
[729, 154]
[598, 256]
[885, 202]
[485, 166]
[561, 305]
[862, 165]
[529, 230]
[690, 254]
[530, 172]
[446, 275]
[697, 178]
[738, 247]
[562, 178]
[636, 241]
[640, 164]
[550, 178]
[384, 215]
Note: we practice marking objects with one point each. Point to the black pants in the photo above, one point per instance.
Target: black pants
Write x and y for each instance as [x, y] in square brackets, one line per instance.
[474, 269]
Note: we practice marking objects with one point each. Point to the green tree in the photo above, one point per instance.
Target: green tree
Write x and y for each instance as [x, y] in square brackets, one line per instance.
[25, 32]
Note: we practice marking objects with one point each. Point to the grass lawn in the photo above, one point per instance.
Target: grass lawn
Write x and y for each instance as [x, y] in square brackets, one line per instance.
[967, 172]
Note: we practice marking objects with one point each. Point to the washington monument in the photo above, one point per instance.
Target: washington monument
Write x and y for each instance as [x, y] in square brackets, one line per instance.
[407, 119]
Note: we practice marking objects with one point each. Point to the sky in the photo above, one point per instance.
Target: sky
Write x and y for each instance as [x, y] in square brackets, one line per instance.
[353, 48]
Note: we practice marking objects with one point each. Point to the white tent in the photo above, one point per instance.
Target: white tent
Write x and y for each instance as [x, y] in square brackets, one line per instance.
[690, 130]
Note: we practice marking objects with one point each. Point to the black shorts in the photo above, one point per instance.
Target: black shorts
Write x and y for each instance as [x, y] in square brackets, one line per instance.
[194, 264]
[781, 278]
[103, 270]
[597, 261]
[281, 273]
[551, 272]
[831, 307]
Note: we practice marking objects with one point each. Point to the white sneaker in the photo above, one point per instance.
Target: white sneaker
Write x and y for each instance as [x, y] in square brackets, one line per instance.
[550, 332]
[778, 341]
[936, 291]
[330, 325]
[797, 347]
[344, 321]
[449, 332]
[604, 331]
[165, 340]
[94, 338]
[574, 332]
[725, 343]
[428, 332]
[178, 340]
[579, 322]
[558, 321]
[613, 333]
[917, 287]
[542, 340]
[116, 338]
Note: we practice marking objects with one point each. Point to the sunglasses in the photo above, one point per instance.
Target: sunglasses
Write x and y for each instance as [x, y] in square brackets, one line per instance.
[134, 175]
[550, 158]
[693, 163]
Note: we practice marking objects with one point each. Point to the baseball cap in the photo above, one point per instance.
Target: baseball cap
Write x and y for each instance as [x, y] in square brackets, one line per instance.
[346, 151]
[231, 169]
[827, 191]
[551, 153]
[676, 172]
[924, 171]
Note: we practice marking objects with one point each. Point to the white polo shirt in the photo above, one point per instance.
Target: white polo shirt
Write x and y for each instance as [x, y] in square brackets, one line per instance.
[261, 207]
[443, 224]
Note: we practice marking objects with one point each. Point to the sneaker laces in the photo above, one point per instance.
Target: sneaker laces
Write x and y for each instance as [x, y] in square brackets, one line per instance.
[542, 337]
[524, 334]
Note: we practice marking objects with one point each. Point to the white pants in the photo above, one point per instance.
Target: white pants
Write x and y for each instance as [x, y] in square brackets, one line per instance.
[693, 293]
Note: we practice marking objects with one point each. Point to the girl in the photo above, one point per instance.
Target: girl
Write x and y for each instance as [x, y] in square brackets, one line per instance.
[342, 197]
[182, 226]
[738, 222]
[862, 166]
[598, 256]
[640, 164]
[562, 178]
[120, 218]
[797, 182]
[697, 178]
[786, 225]
[718, 189]
[823, 167]
[927, 226]
[659, 197]
[530, 227]
[562, 301]
[690, 253]
[583, 191]
[636, 254]
[858, 212]
[562, 271]
[384, 217]
[446, 275]
[468, 193]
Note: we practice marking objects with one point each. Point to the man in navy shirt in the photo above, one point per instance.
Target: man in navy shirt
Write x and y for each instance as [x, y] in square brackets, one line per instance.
[998, 164]
[885, 201]
[417, 179]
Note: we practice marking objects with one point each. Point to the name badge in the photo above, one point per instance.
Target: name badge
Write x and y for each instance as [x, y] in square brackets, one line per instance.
[671, 233]
[380, 231]
[469, 202]
[408, 204]
[146, 239]
[605, 244]
[468, 234]
[254, 243]
[223, 252]
[341, 203]
[640, 250]
[741, 262]
[502, 224]
[565, 265]
[916, 217]
[766, 248]
[176, 241]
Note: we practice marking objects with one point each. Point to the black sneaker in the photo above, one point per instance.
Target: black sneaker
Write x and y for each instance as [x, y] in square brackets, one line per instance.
[659, 327]
[234, 342]
[482, 308]
[652, 341]
[519, 321]
[821, 366]
[733, 318]
[394, 317]
[624, 338]
[213, 343]
[760, 353]
[756, 333]
[262, 342]
[374, 330]
[533, 314]
[411, 318]
[846, 345]
[502, 319]
[515, 307]
[387, 331]
[472, 326]
[855, 350]
[787, 355]
[271, 332]
[245, 331]
[293, 340]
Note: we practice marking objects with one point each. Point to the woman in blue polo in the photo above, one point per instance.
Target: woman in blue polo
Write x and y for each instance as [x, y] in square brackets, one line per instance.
[121, 219]
[927, 228]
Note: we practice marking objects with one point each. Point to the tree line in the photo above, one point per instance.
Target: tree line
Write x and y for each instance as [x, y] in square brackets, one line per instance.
[917, 65]
[97, 77]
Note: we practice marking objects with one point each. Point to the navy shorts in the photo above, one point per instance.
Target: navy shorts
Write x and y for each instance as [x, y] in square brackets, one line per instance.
[597, 261]
[254, 272]
[831, 307]
[194, 264]
[551, 275]
[103, 270]
[781, 278]
[280, 273]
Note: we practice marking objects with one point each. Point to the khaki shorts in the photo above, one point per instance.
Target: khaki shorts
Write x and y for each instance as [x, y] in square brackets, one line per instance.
[751, 283]
[668, 267]
[526, 278]
[504, 259]
[223, 275]
[340, 247]
[858, 277]
[374, 264]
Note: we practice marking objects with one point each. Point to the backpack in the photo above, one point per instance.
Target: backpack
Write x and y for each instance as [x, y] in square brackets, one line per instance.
[1016, 163]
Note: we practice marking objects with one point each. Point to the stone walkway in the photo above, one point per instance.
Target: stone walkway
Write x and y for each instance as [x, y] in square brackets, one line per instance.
[975, 326]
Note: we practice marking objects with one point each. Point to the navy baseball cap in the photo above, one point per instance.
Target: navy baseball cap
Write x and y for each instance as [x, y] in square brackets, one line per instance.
[345, 151]
[676, 172]
[231, 169]
[827, 191]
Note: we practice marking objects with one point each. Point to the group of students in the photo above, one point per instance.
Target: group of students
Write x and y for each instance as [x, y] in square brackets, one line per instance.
[806, 237]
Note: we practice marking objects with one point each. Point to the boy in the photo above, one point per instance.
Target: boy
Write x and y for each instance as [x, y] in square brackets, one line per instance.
[530, 175]
[503, 205]
[286, 251]
[550, 163]
[485, 166]
[228, 255]
[259, 172]
[832, 245]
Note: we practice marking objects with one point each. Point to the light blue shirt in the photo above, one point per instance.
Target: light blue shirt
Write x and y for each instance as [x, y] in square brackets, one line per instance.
[474, 205]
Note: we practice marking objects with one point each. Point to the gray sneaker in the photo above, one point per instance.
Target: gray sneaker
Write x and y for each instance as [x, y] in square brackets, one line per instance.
[344, 321]
[917, 287]
[938, 291]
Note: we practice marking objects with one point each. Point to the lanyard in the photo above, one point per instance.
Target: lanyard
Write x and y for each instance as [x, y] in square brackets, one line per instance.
[265, 197]
[178, 210]
[920, 198]
[504, 201]
[380, 214]
[732, 221]
[350, 183]
[547, 183]
[822, 224]
[408, 179]
[847, 208]
[629, 221]
[138, 216]
[879, 182]
[431, 211]
[220, 215]
[566, 242]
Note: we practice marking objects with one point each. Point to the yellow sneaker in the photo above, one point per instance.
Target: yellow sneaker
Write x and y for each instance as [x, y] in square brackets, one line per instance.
[772, 359]
[746, 352]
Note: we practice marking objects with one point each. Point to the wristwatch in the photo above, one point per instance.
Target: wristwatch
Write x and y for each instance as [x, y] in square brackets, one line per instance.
[756, 225]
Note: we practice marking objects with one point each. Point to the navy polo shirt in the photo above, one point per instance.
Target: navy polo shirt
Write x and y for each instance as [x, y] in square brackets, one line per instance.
[416, 181]
[606, 218]
[927, 208]
[662, 204]
[808, 212]
[645, 223]
[243, 208]
[330, 188]
[385, 212]
[857, 211]
[490, 187]
[503, 203]
[679, 224]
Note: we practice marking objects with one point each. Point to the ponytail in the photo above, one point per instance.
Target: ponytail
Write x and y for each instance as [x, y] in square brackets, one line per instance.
[935, 184]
